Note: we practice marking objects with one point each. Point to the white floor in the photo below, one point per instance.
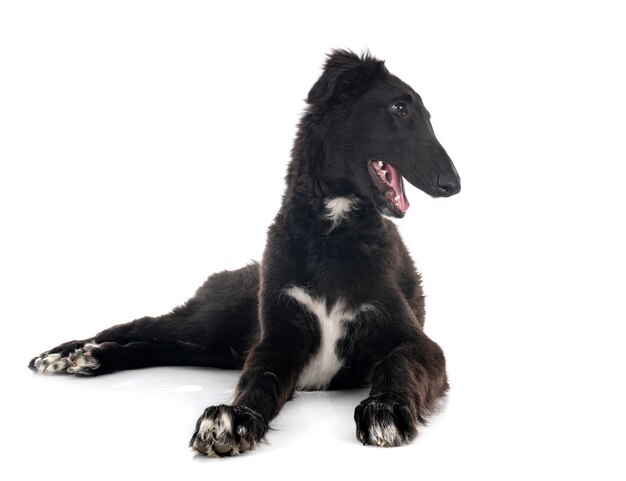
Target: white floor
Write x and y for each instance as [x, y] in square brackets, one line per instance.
[138, 423]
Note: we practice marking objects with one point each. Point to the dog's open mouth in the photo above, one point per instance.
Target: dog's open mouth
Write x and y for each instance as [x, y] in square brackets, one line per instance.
[390, 184]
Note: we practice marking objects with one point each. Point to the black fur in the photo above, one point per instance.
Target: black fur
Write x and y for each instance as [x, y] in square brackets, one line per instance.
[358, 114]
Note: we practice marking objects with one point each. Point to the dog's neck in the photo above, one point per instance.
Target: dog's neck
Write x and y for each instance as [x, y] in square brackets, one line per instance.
[307, 156]
[312, 202]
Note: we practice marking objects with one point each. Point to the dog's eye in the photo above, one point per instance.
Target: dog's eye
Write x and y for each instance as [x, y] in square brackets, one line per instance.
[400, 109]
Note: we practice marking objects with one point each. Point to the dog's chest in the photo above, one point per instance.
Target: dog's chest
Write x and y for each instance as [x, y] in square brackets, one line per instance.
[332, 320]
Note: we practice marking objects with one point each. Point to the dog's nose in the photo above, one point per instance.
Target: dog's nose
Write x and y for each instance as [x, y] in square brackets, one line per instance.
[448, 185]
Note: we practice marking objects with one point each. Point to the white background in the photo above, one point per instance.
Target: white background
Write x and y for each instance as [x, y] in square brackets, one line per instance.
[143, 146]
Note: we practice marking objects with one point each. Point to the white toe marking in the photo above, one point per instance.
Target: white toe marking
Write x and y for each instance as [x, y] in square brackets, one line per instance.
[80, 361]
[205, 427]
[88, 347]
[57, 365]
[385, 435]
[217, 435]
[227, 423]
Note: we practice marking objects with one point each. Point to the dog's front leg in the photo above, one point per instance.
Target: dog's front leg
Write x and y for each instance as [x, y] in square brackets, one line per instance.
[405, 388]
[268, 380]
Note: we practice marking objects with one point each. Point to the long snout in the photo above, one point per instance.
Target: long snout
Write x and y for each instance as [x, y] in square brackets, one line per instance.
[448, 181]
[432, 172]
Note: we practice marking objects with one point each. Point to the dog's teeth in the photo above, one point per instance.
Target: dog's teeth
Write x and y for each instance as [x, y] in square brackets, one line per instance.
[381, 164]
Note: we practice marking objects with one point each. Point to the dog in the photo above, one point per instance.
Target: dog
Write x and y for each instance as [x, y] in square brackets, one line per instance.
[336, 301]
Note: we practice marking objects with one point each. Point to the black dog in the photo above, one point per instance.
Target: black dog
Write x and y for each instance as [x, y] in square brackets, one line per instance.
[336, 301]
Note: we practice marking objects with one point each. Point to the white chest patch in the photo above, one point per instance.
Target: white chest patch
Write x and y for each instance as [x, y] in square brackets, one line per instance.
[324, 364]
[338, 209]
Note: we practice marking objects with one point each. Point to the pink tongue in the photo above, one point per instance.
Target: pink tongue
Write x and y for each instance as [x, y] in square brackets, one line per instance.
[396, 182]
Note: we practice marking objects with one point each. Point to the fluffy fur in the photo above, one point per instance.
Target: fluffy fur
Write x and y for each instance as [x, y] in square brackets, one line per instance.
[336, 301]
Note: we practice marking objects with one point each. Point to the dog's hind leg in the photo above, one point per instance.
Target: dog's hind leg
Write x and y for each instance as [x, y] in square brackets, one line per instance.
[91, 357]
[214, 328]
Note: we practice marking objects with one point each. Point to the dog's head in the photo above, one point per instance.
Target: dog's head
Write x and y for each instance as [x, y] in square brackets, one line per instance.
[377, 131]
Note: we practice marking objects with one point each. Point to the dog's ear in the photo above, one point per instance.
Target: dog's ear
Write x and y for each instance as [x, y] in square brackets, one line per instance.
[345, 76]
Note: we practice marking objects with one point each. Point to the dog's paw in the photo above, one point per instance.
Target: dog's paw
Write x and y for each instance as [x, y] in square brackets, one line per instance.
[385, 421]
[80, 360]
[227, 431]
